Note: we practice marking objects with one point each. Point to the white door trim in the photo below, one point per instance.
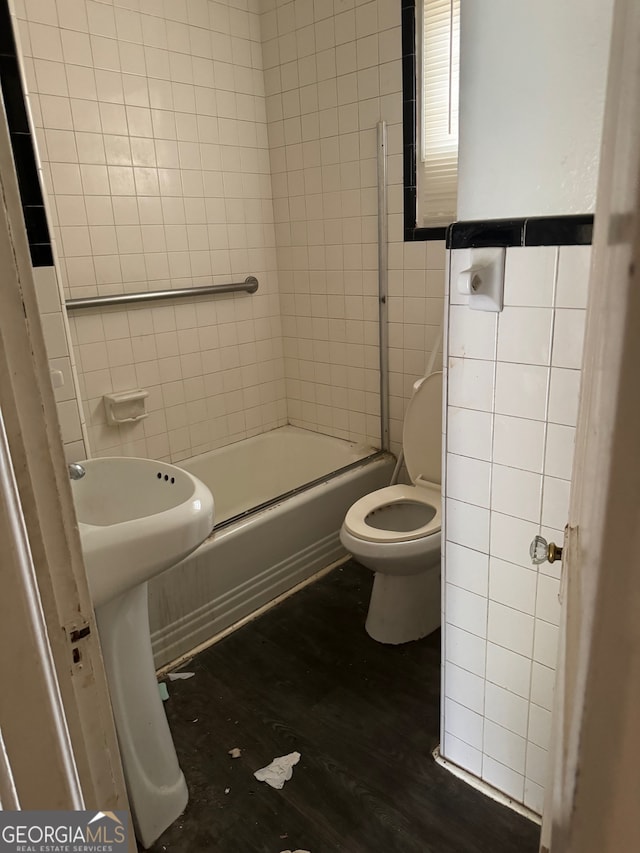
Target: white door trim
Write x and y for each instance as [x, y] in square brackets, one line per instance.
[8, 791]
[593, 802]
[45, 766]
[44, 492]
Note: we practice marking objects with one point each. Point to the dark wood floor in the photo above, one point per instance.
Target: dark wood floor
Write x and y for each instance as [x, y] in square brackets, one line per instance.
[306, 676]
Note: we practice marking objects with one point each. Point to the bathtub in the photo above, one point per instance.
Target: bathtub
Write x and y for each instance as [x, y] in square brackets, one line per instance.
[280, 500]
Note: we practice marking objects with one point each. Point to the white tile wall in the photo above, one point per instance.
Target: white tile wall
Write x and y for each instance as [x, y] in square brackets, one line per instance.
[56, 338]
[151, 127]
[164, 171]
[510, 422]
[332, 71]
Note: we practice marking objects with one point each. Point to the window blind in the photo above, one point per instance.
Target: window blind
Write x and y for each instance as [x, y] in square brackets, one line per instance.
[440, 86]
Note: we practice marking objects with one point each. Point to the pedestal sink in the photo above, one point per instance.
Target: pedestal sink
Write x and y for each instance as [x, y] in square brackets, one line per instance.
[137, 518]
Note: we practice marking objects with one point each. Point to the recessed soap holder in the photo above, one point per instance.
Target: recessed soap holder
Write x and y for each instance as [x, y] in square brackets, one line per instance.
[125, 407]
[483, 281]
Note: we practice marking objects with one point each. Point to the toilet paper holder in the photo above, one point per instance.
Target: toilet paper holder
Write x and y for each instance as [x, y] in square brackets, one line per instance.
[483, 281]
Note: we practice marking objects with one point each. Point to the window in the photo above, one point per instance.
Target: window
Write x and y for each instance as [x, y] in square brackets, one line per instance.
[437, 128]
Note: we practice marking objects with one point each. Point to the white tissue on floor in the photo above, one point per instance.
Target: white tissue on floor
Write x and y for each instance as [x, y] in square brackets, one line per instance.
[180, 676]
[295, 851]
[235, 752]
[279, 771]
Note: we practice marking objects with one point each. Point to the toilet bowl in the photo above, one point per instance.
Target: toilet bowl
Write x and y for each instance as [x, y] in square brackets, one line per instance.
[395, 531]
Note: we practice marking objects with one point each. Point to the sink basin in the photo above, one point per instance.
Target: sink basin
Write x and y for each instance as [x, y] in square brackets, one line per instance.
[137, 517]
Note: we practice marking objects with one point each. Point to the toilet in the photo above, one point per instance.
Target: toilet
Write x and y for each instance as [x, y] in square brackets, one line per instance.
[395, 531]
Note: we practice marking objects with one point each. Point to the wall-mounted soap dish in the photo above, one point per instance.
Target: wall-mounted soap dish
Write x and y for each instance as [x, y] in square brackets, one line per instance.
[125, 407]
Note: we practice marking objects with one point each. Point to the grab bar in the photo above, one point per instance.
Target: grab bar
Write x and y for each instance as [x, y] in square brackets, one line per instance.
[250, 285]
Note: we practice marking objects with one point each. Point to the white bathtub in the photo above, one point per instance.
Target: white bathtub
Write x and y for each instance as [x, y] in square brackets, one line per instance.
[272, 530]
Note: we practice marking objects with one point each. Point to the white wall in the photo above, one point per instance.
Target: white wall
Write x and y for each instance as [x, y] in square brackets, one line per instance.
[533, 79]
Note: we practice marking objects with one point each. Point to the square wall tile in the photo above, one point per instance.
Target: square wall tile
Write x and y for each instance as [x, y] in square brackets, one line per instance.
[518, 443]
[472, 334]
[466, 610]
[47, 293]
[467, 525]
[545, 649]
[467, 568]
[506, 709]
[470, 384]
[516, 492]
[512, 629]
[509, 670]
[69, 417]
[539, 729]
[559, 451]
[465, 650]
[555, 502]
[521, 390]
[564, 394]
[463, 723]
[462, 754]
[537, 764]
[464, 687]
[524, 335]
[504, 746]
[468, 480]
[512, 585]
[533, 796]
[511, 537]
[542, 685]
[529, 275]
[55, 337]
[469, 433]
[547, 601]
[503, 778]
[573, 276]
[568, 338]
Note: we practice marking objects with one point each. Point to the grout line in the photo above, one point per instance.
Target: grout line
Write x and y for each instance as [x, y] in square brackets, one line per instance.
[544, 454]
[490, 511]
[445, 447]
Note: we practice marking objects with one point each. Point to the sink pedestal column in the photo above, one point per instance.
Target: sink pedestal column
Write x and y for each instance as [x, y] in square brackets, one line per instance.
[155, 783]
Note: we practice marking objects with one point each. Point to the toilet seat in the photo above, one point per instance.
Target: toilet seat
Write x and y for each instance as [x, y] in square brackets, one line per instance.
[421, 440]
[427, 494]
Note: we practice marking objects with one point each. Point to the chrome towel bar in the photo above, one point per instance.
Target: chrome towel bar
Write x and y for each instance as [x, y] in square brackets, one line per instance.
[249, 285]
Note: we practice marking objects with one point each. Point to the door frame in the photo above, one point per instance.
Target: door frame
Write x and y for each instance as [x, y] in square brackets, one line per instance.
[592, 801]
[44, 499]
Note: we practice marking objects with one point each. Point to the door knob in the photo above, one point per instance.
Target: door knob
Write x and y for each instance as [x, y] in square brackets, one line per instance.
[542, 551]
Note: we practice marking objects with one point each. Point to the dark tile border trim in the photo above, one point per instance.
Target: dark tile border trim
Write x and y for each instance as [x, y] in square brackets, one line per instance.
[531, 231]
[409, 128]
[24, 155]
[559, 230]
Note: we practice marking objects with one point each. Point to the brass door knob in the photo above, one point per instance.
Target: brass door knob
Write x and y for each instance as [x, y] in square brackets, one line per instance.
[542, 551]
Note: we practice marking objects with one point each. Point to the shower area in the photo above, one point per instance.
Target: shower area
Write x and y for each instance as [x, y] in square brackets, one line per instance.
[229, 153]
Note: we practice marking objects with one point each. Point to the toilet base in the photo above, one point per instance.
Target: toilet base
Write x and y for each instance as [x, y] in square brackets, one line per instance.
[404, 607]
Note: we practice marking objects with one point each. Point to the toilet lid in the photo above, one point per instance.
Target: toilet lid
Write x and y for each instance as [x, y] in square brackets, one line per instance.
[422, 432]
